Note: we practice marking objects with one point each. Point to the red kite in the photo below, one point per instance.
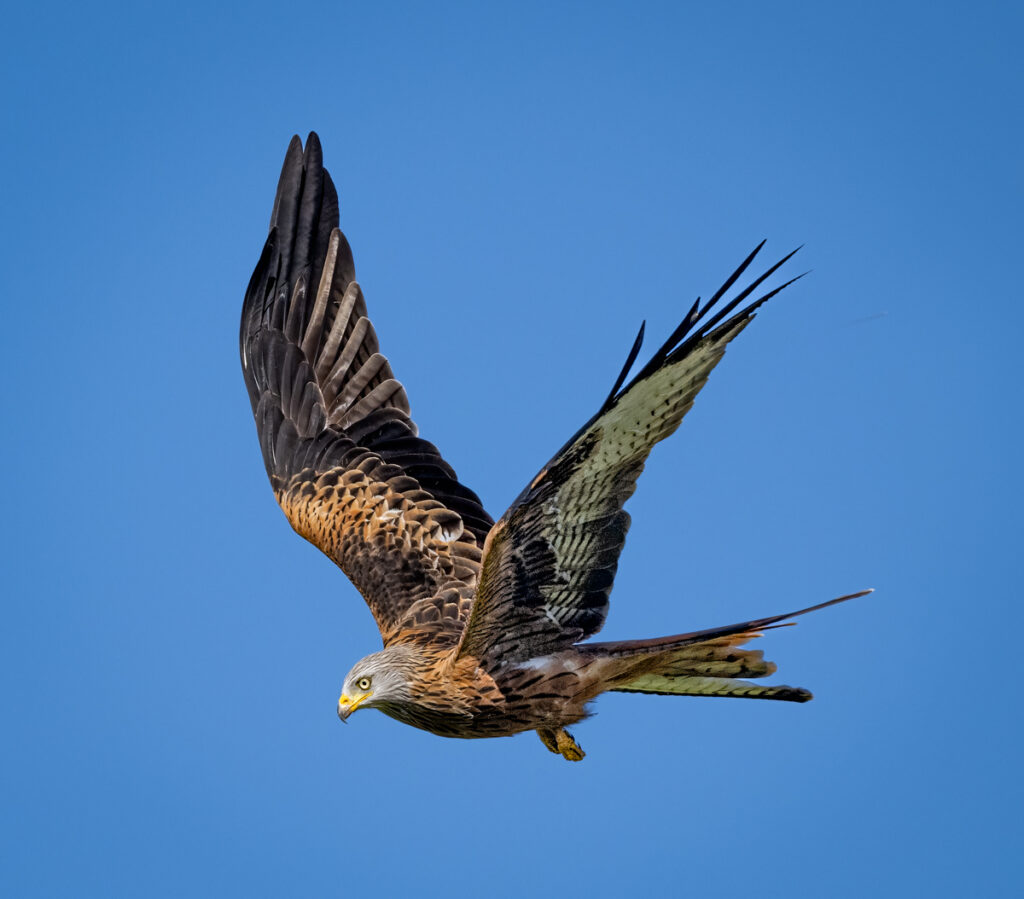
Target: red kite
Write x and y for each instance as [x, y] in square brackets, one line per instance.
[484, 624]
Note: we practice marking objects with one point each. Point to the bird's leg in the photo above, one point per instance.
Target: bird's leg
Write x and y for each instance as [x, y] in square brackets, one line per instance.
[549, 738]
[560, 742]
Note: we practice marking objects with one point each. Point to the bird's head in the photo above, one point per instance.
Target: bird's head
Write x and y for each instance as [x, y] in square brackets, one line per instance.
[380, 678]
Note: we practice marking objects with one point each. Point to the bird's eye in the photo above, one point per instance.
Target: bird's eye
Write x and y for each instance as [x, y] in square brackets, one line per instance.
[363, 683]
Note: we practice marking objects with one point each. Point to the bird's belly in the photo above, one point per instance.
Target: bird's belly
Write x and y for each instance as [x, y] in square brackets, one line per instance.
[455, 724]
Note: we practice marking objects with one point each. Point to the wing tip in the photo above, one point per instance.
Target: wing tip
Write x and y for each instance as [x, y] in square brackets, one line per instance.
[691, 329]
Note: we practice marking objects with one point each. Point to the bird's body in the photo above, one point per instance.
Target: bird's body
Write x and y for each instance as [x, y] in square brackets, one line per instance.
[483, 623]
[455, 697]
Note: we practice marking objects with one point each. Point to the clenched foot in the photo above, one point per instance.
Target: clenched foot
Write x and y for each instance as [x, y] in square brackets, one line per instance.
[561, 742]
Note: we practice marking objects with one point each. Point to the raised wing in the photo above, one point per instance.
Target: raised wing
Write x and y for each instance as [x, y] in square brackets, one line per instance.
[550, 561]
[342, 453]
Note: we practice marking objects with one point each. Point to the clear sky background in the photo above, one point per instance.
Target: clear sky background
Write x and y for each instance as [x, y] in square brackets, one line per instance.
[521, 184]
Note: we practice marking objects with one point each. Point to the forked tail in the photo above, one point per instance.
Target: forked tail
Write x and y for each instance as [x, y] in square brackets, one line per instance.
[703, 663]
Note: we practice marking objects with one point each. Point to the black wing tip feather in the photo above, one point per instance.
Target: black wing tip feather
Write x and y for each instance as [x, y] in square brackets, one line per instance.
[630, 359]
[684, 338]
[301, 170]
[693, 328]
[303, 217]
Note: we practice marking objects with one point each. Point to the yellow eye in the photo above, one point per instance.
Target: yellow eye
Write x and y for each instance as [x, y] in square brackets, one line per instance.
[363, 683]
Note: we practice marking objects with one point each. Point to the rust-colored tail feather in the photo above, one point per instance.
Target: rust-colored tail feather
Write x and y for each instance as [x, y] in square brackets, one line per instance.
[703, 663]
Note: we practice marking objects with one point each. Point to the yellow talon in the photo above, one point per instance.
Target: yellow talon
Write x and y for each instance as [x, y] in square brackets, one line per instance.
[561, 742]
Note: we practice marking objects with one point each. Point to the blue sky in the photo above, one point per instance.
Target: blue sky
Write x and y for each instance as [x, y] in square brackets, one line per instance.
[521, 186]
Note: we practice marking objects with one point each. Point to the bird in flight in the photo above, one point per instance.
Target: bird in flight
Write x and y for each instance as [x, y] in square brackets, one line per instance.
[483, 622]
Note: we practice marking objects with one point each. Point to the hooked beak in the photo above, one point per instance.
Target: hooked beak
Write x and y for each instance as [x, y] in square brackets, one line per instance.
[348, 704]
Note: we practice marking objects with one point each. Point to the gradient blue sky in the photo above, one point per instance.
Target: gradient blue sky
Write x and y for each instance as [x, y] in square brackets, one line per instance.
[521, 185]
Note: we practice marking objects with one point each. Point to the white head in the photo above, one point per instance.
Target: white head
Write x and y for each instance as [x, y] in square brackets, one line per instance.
[378, 678]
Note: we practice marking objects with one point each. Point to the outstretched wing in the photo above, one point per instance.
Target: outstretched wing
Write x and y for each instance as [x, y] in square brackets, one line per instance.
[342, 453]
[550, 561]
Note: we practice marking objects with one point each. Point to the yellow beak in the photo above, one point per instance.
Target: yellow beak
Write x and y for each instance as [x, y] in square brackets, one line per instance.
[348, 704]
